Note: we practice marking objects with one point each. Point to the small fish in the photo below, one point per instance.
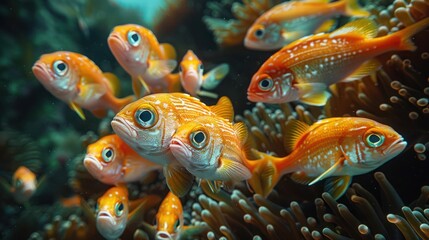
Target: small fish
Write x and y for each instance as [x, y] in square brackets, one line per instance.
[111, 161]
[292, 20]
[169, 219]
[76, 80]
[147, 61]
[339, 148]
[24, 184]
[148, 124]
[191, 71]
[303, 69]
[212, 148]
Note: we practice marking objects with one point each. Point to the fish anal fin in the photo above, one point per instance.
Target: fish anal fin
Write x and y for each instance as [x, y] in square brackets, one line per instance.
[295, 130]
[224, 108]
[215, 76]
[301, 177]
[326, 26]
[160, 68]
[337, 186]
[78, 110]
[334, 168]
[367, 68]
[113, 82]
[364, 27]
[230, 170]
[168, 50]
[178, 179]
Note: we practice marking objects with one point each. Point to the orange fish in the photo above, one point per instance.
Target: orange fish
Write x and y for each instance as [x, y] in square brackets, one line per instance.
[339, 148]
[212, 148]
[148, 124]
[292, 20]
[149, 63]
[303, 69]
[169, 219]
[191, 71]
[111, 161]
[24, 184]
[76, 80]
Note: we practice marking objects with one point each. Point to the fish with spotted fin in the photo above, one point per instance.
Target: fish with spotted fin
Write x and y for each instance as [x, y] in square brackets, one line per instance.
[305, 68]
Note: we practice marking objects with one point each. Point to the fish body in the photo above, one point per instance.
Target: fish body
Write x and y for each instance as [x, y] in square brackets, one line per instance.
[292, 20]
[335, 147]
[112, 212]
[76, 80]
[169, 219]
[111, 161]
[192, 77]
[148, 124]
[148, 62]
[24, 184]
[303, 69]
[212, 148]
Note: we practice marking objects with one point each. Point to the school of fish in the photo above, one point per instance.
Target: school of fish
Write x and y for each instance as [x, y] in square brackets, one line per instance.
[159, 127]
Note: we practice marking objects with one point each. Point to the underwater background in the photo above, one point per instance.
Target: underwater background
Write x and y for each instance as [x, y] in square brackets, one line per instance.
[42, 133]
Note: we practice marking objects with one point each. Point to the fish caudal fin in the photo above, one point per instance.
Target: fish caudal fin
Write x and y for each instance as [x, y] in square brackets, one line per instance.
[405, 34]
[215, 76]
[354, 9]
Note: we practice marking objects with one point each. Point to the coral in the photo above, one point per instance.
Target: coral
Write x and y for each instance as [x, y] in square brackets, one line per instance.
[236, 216]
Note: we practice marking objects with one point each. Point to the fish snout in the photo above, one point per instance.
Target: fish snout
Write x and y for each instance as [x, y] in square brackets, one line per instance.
[116, 43]
[41, 72]
[123, 129]
[180, 150]
[92, 164]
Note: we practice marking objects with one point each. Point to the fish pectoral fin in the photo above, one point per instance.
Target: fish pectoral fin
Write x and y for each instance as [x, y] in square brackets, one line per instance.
[207, 94]
[160, 68]
[291, 36]
[179, 180]
[315, 94]
[337, 186]
[326, 26]
[316, 99]
[223, 108]
[295, 130]
[215, 76]
[264, 178]
[91, 91]
[168, 50]
[230, 170]
[77, 109]
[364, 28]
[113, 82]
[334, 168]
[366, 69]
[140, 207]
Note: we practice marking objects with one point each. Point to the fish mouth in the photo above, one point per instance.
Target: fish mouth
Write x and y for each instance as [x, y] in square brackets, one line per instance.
[255, 97]
[92, 165]
[252, 44]
[396, 147]
[41, 72]
[163, 235]
[180, 151]
[123, 129]
[116, 43]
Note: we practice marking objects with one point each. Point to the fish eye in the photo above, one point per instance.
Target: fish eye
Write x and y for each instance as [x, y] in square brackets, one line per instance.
[176, 225]
[119, 209]
[180, 68]
[198, 139]
[375, 140]
[201, 67]
[265, 84]
[107, 154]
[60, 68]
[259, 33]
[18, 183]
[146, 117]
[134, 38]
[96, 207]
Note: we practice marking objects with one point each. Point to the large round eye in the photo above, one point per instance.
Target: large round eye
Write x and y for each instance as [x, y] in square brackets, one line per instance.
[265, 84]
[60, 67]
[375, 140]
[119, 209]
[201, 67]
[134, 38]
[259, 33]
[107, 154]
[198, 139]
[180, 68]
[18, 183]
[146, 117]
[96, 207]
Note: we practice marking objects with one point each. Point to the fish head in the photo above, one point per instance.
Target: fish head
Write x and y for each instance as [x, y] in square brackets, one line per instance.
[104, 159]
[272, 85]
[23, 184]
[264, 36]
[147, 124]
[131, 47]
[112, 212]
[58, 73]
[376, 144]
[197, 145]
[191, 72]
[169, 219]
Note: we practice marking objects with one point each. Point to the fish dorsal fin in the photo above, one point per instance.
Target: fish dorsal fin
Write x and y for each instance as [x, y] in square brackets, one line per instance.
[367, 68]
[113, 82]
[241, 131]
[364, 27]
[232, 170]
[168, 50]
[178, 179]
[337, 186]
[295, 130]
[223, 108]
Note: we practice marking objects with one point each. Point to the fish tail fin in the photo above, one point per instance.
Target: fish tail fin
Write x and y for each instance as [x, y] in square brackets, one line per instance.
[354, 9]
[405, 34]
